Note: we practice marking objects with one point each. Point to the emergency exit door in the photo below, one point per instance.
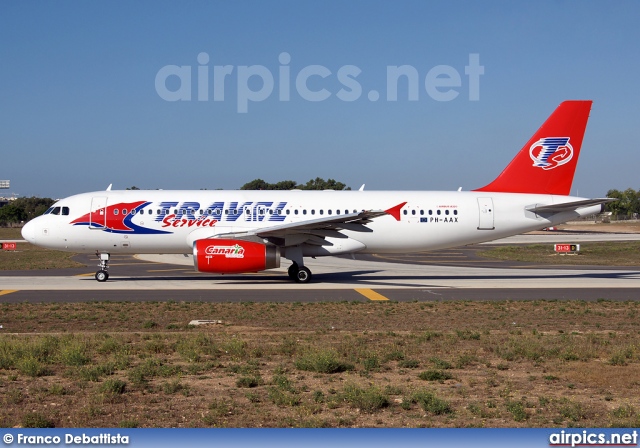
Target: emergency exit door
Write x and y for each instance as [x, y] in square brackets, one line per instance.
[485, 210]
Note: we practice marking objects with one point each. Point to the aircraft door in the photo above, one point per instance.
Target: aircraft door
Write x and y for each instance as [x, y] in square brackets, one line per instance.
[98, 215]
[485, 208]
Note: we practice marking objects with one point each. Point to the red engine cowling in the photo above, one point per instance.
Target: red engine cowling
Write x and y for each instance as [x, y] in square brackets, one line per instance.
[234, 256]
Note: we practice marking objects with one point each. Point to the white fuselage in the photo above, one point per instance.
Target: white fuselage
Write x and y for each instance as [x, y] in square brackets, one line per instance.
[170, 221]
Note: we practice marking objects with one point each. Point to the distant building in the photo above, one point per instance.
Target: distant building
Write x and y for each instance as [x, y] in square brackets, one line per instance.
[4, 185]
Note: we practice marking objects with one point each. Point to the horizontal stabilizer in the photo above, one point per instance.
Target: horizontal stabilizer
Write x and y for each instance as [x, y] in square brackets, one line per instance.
[568, 206]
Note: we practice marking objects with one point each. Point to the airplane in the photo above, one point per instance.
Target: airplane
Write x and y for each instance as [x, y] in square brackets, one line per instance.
[242, 231]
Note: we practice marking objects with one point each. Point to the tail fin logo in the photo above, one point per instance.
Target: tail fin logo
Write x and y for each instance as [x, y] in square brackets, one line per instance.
[551, 152]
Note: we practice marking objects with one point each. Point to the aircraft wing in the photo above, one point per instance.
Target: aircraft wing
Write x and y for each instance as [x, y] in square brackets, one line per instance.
[568, 206]
[315, 230]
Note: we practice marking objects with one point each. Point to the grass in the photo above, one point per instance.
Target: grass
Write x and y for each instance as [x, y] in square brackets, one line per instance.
[276, 364]
[623, 253]
[26, 256]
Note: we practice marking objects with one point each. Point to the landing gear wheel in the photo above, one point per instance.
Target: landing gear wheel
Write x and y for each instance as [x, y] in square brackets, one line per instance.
[303, 275]
[103, 274]
[293, 270]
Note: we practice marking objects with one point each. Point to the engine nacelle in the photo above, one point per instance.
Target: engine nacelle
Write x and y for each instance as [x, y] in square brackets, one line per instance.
[234, 256]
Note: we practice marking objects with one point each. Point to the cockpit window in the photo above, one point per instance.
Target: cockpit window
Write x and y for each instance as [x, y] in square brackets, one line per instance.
[55, 211]
[48, 210]
[65, 211]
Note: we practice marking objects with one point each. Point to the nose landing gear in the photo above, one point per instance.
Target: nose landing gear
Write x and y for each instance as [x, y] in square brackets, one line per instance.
[103, 274]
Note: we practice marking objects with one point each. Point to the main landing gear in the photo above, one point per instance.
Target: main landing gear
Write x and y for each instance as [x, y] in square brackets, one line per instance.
[299, 274]
[103, 274]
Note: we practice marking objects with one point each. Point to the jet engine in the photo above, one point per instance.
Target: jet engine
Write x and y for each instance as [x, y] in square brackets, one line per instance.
[224, 256]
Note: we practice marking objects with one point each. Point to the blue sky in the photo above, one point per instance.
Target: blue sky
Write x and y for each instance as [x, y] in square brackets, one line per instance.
[79, 107]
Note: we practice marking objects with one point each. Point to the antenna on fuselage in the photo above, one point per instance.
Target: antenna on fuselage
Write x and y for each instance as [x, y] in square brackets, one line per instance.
[109, 187]
[361, 188]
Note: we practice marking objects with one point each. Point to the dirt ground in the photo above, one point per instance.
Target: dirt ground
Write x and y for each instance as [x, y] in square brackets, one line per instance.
[437, 364]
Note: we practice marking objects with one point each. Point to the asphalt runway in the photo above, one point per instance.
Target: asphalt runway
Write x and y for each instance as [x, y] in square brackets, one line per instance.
[454, 274]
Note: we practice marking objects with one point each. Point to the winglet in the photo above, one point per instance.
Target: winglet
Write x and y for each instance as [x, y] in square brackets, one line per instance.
[395, 211]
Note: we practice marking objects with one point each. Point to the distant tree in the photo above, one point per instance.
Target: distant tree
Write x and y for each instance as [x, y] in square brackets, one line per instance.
[632, 202]
[628, 202]
[10, 214]
[285, 185]
[615, 206]
[23, 209]
[132, 188]
[256, 184]
[320, 184]
[314, 184]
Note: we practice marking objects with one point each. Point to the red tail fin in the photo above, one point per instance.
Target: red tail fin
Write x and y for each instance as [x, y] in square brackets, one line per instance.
[547, 163]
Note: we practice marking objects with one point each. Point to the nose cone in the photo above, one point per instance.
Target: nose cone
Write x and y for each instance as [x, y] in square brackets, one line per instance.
[29, 232]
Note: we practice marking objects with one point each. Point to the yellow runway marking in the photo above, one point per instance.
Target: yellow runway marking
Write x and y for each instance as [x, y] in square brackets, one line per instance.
[371, 294]
[7, 291]
[84, 275]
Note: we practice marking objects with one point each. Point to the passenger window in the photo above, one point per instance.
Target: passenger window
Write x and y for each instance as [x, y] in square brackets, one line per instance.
[288, 212]
[431, 212]
[116, 211]
[329, 211]
[313, 212]
[124, 211]
[322, 212]
[216, 211]
[304, 212]
[150, 212]
[413, 212]
[421, 212]
[438, 212]
[295, 212]
[455, 212]
[404, 212]
[446, 212]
